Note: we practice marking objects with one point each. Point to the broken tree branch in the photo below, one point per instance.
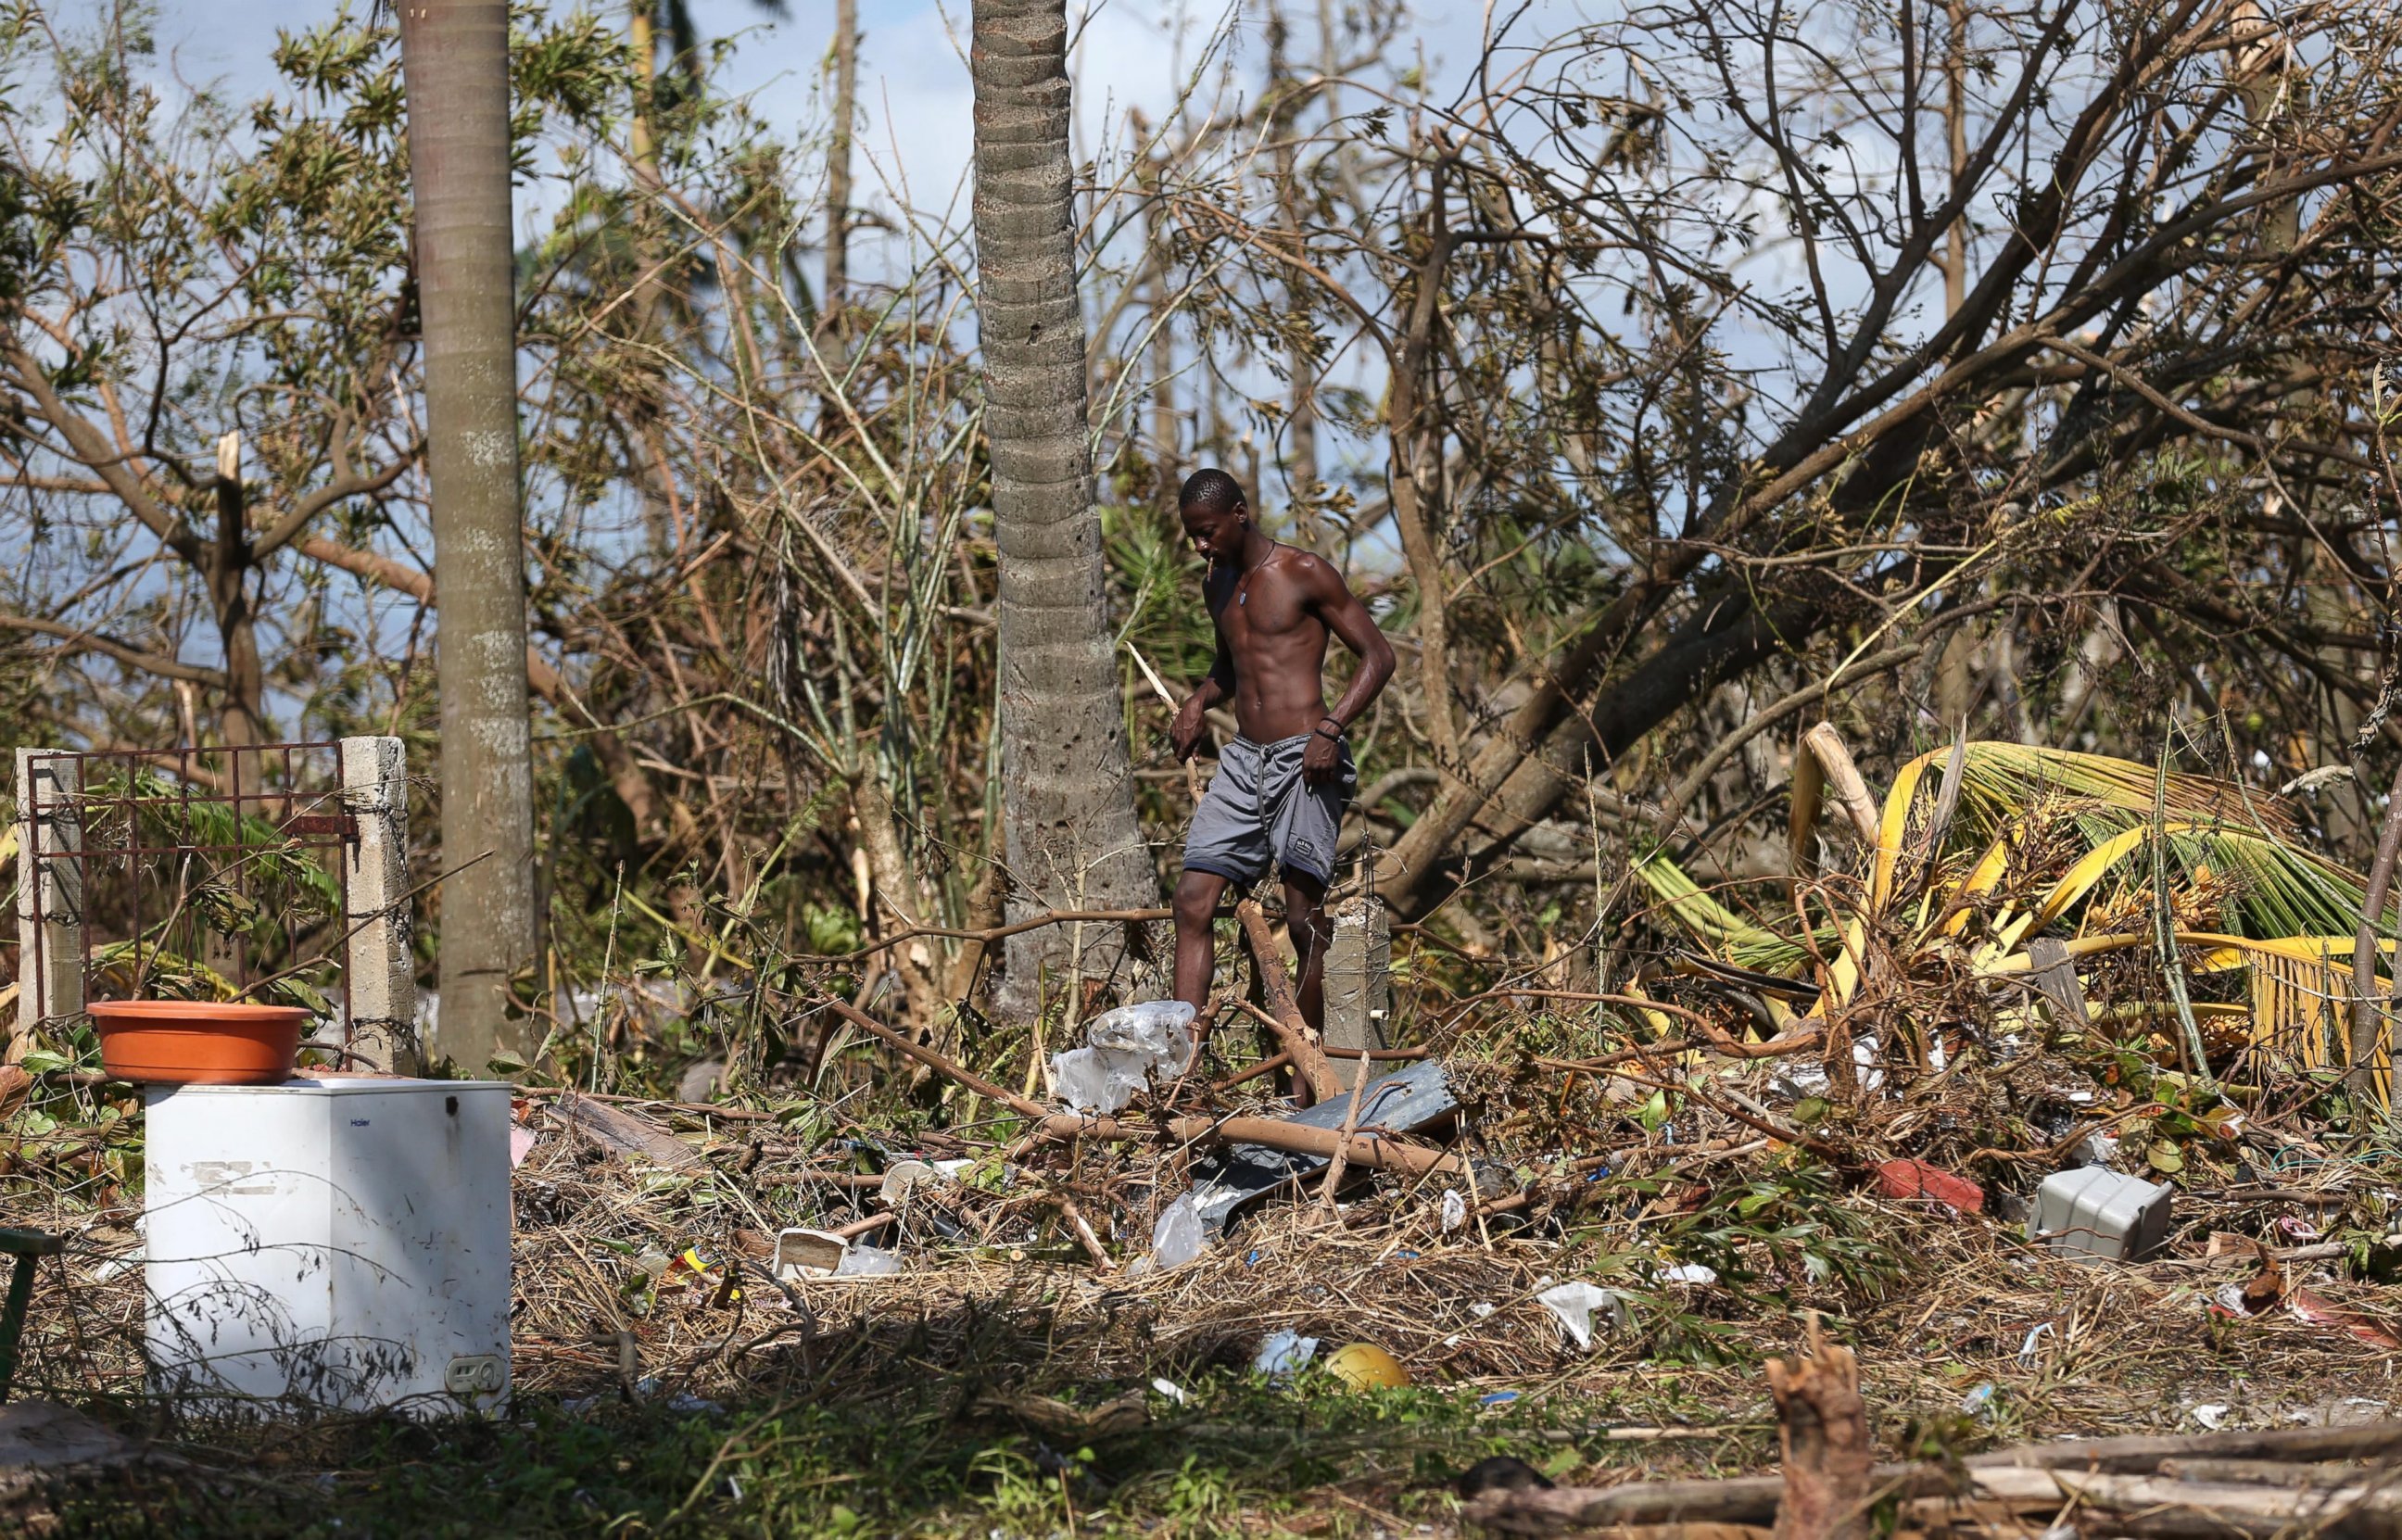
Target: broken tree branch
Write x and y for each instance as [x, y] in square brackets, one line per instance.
[1298, 1039]
[1826, 745]
[932, 1059]
[2108, 1473]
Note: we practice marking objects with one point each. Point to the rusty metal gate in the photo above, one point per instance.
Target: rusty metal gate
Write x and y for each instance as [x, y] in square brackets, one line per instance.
[214, 873]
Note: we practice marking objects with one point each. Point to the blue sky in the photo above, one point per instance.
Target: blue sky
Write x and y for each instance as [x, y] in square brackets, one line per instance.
[914, 94]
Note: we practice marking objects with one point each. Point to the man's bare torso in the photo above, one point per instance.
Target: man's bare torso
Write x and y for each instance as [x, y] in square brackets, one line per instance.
[1277, 639]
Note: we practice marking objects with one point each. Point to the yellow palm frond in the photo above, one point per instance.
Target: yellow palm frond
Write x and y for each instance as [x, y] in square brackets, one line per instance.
[2300, 990]
[2001, 783]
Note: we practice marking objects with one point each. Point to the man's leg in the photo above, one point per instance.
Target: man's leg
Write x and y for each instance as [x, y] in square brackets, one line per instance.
[1304, 920]
[1197, 894]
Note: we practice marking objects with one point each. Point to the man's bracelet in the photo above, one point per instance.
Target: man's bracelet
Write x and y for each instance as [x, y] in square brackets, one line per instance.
[1322, 732]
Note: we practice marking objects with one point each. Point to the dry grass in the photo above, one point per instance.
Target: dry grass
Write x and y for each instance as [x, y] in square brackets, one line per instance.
[1952, 1305]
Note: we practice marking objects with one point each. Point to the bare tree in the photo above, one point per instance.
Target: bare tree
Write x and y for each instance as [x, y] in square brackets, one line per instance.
[196, 388]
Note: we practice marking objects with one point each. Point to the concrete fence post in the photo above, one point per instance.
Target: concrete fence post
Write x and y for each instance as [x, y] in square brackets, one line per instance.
[1359, 983]
[377, 957]
[49, 958]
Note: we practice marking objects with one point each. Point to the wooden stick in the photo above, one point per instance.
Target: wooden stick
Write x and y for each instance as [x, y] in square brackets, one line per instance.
[2138, 1452]
[831, 1179]
[2271, 1473]
[1826, 745]
[1159, 688]
[860, 1227]
[1295, 1034]
[2099, 1472]
[2140, 1505]
[1084, 1236]
[1343, 1143]
[932, 1060]
[1379, 1152]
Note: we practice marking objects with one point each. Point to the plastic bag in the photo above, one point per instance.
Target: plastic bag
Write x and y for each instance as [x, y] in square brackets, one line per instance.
[1095, 1079]
[1125, 1050]
[1177, 1238]
[1284, 1354]
[1159, 1032]
[866, 1262]
[1573, 1305]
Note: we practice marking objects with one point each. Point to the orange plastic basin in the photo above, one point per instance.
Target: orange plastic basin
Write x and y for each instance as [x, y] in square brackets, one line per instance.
[198, 1042]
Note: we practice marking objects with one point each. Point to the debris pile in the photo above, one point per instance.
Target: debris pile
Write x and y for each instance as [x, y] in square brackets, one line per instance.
[2032, 1073]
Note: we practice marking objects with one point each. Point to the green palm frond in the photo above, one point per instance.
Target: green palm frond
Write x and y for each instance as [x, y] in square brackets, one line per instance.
[2283, 890]
[1712, 924]
[2001, 781]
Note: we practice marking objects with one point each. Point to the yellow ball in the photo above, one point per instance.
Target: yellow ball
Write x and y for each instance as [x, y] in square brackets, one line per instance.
[1364, 1366]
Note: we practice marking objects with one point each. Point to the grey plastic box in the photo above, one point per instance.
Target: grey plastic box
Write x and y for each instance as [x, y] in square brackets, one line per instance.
[2096, 1213]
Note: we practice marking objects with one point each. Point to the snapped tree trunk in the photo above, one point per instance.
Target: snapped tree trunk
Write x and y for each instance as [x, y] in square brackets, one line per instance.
[1414, 478]
[454, 57]
[846, 116]
[1300, 418]
[228, 579]
[1161, 299]
[1067, 785]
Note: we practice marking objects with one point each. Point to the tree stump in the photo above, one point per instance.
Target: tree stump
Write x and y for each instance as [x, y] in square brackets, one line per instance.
[1823, 1428]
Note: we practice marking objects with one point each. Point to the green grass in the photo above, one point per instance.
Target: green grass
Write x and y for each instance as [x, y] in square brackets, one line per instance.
[1317, 1459]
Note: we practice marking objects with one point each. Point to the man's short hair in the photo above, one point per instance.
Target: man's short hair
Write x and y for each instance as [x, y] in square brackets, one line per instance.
[1211, 489]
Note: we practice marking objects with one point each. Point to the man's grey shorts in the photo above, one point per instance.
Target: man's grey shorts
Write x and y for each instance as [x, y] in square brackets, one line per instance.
[1258, 810]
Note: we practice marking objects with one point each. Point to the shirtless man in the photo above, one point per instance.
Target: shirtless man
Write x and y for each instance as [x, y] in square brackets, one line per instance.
[1280, 788]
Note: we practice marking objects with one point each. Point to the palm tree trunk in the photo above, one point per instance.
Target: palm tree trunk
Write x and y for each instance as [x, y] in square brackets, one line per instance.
[1068, 787]
[454, 56]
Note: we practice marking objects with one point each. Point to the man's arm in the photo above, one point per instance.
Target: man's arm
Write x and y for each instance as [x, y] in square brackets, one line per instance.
[1343, 614]
[1184, 732]
[1349, 619]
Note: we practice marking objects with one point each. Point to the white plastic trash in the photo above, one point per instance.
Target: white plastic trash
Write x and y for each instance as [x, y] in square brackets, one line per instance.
[1125, 1050]
[1179, 1237]
[900, 1176]
[2094, 1213]
[1573, 1306]
[1095, 1079]
[1160, 1031]
[861, 1261]
[1284, 1354]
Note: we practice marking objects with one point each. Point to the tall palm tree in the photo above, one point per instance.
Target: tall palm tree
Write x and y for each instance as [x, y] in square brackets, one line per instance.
[1067, 785]
[455, 63]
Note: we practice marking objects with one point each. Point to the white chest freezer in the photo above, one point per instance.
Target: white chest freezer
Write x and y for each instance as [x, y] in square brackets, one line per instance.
[336, 1243]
